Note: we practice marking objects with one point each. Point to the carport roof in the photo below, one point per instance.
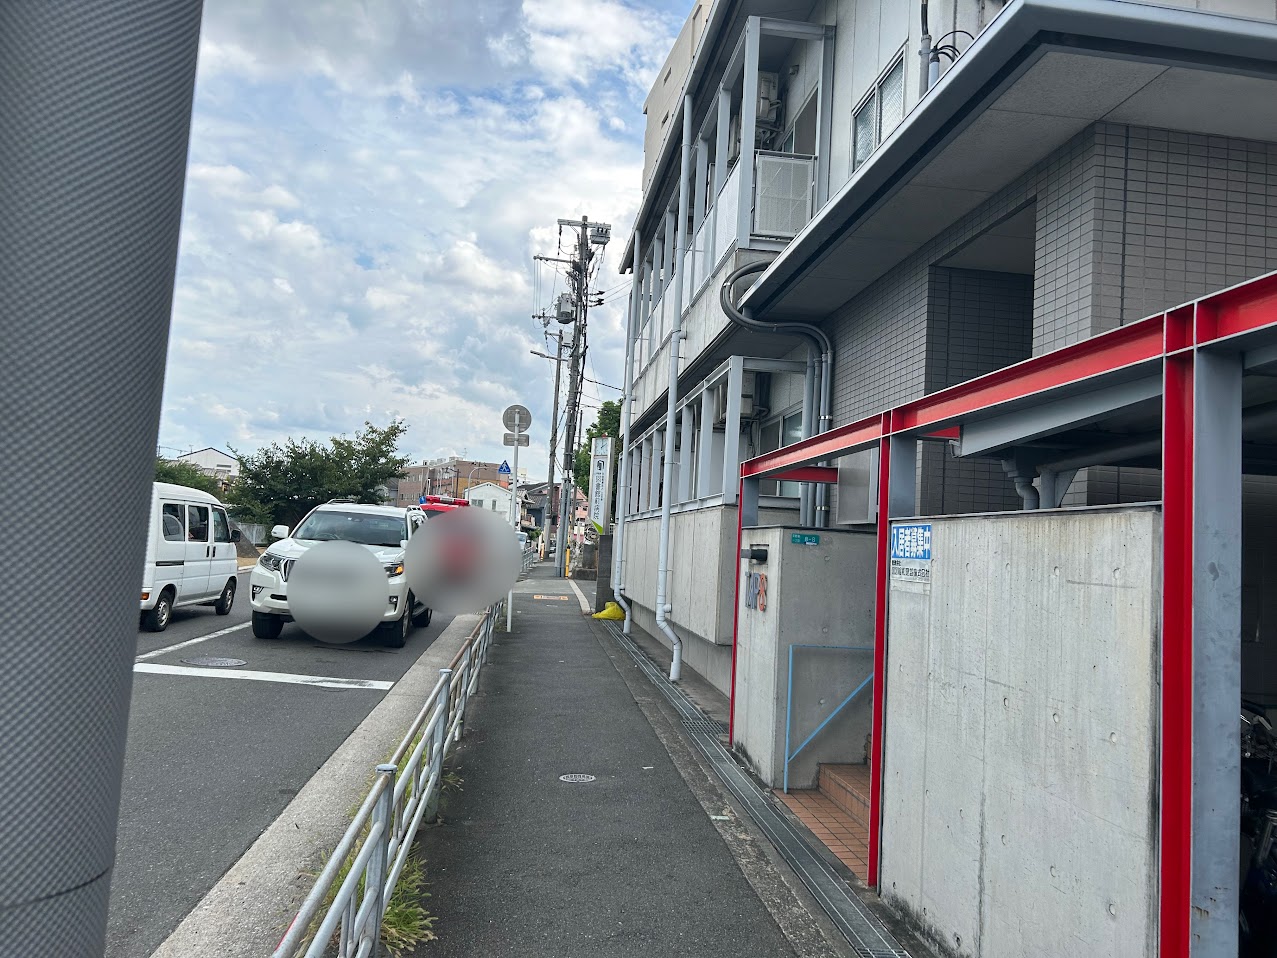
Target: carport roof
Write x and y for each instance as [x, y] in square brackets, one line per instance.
[1042, 72]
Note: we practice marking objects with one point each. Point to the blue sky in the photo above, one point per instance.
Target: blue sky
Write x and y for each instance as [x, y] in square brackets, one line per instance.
[367, 185]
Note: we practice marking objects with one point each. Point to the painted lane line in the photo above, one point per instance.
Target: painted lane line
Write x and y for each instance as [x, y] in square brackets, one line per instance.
[181, 645]
[580, 596]
[286, 678]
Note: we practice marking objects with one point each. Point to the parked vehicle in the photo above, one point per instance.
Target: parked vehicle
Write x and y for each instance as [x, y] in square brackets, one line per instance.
[190, 555]
[383, 530]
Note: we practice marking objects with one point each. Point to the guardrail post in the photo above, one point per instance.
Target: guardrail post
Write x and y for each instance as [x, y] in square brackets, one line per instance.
[438, 748]
[379, 860]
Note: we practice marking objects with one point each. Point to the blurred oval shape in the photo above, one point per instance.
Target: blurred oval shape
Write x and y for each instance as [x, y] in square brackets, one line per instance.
[462, 561]
[337, 592]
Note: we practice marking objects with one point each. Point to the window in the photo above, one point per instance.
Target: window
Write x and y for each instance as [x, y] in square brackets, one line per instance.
[880, 113]
[174, 527]
[221, 528]
[197, 523]
[777, 433]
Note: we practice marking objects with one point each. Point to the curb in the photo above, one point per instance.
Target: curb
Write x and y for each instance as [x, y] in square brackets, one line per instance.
[247, 912]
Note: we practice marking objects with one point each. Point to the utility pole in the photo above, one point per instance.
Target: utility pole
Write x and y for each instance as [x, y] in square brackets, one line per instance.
[588, 235]
[550, 503]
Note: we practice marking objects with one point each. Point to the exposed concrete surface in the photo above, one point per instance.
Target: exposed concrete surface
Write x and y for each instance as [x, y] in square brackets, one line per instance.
[1019, 793]
[247, 912]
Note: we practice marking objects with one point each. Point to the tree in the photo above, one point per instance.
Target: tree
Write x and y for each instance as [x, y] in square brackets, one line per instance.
[607, 423]
[279, 484]
[185, 474]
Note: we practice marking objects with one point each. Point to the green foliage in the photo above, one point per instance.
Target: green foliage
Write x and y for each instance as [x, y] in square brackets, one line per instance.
[607, 423]
[186, 474]
[406, 923]
[279, 484]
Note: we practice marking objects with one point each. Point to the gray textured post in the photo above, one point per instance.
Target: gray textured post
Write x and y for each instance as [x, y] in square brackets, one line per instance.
[95, 112]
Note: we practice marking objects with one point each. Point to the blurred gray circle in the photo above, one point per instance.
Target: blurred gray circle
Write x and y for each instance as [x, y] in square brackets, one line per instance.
[462, 561]
[337, 592]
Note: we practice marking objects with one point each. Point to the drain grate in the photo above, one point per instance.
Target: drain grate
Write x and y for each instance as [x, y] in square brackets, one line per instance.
[576, 778]
[863, 930]
[214, 662]
[708, 726]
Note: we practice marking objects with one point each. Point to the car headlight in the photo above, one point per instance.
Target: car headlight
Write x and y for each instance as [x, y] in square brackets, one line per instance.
[269, 561]
[393, 569]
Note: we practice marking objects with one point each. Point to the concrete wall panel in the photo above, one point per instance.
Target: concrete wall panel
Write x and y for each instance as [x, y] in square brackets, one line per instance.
[1019, 795]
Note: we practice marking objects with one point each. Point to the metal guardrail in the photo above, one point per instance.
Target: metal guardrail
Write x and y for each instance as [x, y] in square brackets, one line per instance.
[789, 702]
[405, 793]
[529, 559]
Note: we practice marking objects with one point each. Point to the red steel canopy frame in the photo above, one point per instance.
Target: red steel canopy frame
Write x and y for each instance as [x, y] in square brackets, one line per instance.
[1179, 341]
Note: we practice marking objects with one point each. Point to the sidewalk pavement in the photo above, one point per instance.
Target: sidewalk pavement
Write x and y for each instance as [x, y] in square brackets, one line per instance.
[646, 859]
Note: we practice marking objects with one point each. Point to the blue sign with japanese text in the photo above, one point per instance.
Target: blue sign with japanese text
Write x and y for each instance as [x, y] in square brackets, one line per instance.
[911, 552]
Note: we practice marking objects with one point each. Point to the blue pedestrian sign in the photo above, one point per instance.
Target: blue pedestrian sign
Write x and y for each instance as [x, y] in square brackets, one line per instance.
[421, 499]
[504, 470]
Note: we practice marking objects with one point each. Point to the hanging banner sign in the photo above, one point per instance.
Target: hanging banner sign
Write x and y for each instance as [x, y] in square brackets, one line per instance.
[601, 459]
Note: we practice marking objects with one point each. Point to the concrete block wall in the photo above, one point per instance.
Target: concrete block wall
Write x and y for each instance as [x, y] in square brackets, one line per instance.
[701, 587]
[816, 595]
[1020, 789]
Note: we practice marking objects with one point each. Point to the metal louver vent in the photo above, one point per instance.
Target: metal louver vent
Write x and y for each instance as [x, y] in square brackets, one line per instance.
[783, 193]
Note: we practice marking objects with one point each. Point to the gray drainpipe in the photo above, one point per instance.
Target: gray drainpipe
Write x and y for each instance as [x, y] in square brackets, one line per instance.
[663, 608]
[818, 341]
[623, 483]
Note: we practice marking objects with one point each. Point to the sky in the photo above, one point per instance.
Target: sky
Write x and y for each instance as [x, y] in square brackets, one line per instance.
[367, 185]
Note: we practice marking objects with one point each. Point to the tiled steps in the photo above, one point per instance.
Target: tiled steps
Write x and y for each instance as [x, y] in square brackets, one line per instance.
[837, 812]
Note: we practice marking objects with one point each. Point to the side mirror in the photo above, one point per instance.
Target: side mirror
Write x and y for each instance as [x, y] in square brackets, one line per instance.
[403, 543]
[279, 532]
[236, 535]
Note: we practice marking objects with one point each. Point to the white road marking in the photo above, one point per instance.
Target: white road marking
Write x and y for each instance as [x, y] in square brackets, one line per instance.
[286, 678]
[181, 645]
[580, 596]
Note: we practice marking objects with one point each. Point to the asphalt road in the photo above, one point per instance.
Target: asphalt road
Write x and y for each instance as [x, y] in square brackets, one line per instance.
[211, 762]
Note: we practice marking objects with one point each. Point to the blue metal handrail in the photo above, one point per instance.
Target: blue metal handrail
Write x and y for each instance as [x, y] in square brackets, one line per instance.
[789, 700]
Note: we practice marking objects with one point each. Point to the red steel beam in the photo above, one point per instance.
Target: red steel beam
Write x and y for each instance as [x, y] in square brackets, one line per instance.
[1126, 346]
[826, 474]
[881, 584]
[836, 442]
[1176, 785]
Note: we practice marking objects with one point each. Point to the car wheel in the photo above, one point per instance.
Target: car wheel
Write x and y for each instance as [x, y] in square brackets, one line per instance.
[267, 626]
[158, 618]
[420, 617]
[396, 633]
[226, 599]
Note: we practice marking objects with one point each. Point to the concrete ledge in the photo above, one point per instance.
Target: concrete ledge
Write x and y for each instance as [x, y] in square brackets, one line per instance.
[247, 912]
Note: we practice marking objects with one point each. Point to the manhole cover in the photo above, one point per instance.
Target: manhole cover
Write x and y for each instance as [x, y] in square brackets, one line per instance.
[214, 662]
[576, 777]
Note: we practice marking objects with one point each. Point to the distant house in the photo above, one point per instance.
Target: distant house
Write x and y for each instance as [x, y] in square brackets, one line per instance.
[220, 465]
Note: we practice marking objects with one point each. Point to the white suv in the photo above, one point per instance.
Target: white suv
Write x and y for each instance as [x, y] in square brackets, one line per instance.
[383, 530]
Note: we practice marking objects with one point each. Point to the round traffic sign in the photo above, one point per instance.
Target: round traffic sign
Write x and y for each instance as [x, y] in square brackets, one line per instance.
[517, 418]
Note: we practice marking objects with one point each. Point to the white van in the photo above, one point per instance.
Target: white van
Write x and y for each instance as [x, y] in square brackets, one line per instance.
[190, 555]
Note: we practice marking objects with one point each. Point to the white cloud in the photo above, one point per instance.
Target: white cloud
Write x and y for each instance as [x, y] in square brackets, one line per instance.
[363, 202]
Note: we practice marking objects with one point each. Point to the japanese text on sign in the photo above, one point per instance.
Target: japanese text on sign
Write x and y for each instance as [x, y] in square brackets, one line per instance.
[911, 552]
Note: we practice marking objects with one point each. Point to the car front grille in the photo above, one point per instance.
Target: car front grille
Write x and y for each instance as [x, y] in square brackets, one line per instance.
[286, 568]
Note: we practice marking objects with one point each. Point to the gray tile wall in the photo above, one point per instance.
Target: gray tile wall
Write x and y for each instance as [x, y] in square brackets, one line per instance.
[978, 321]
[1130, 221]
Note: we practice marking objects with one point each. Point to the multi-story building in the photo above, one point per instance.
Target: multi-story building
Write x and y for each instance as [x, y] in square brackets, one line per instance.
[1064, 172]
[222, 466]
[447, 476]
[922, 210]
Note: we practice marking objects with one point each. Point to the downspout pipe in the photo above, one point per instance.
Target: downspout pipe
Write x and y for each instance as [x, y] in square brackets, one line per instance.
[627, 407]
[818, 340]
[663, 607]
[925, 82]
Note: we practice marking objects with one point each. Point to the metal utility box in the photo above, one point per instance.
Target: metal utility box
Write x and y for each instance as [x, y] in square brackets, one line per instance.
[803, 650]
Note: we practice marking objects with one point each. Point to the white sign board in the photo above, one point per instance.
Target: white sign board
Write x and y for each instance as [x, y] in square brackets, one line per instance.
[911, 552]
[600, 511]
